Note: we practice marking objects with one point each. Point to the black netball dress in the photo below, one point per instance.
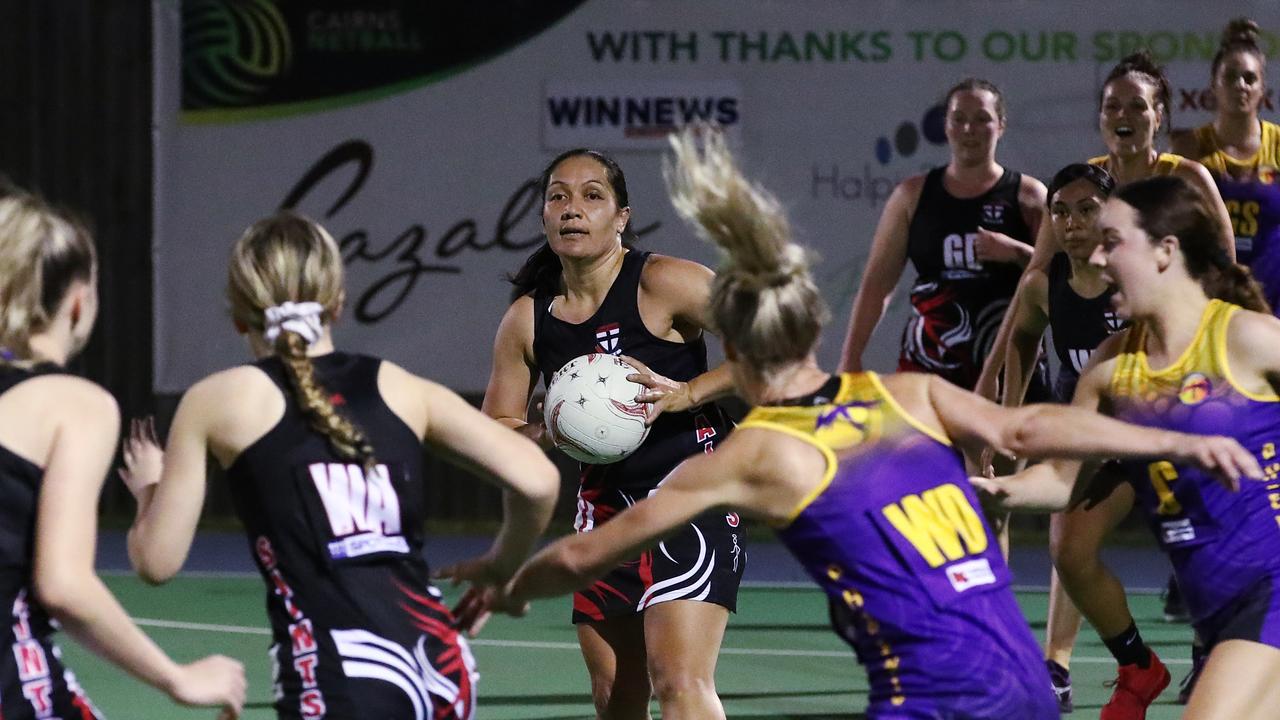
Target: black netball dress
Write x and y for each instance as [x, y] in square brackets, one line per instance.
[358, 630]
[706, 559]
[33, 681]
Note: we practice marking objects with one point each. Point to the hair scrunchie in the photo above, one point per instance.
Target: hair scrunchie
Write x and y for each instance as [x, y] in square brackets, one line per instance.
[302, 318]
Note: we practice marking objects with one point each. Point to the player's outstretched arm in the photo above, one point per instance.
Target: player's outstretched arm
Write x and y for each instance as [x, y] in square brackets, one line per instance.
[1074, 433]
[698, 484]
[64, 580]
[502, 457]
[169, 485]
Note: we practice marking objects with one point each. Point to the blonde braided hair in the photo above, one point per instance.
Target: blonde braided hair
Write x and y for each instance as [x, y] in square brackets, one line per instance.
[290, 258]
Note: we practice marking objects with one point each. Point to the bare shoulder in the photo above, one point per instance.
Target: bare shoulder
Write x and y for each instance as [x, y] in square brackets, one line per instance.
[1097, 373]
[517, 322]
[237, 381]
[775, 471]
[912, 186]
[1195, 173]
[906, 195]
[666, 273]
[1254, 334]
[393, 378]
[407, 395]
[72, 398]
[1034, 285]
[231, 408]
[1031, 193]
[909, 387]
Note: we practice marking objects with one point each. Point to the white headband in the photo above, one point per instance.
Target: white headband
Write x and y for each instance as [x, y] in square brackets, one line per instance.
[301, 318]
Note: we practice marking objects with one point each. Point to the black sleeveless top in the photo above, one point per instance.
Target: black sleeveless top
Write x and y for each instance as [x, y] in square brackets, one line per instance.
[338, 545]
[616, 328]
[958, 301]
[1079, 326]
[20, 481]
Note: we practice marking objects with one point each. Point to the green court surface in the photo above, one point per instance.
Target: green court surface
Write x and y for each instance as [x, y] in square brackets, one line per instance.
[779, 660]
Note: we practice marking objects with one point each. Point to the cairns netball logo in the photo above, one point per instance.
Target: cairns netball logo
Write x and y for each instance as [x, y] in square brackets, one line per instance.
[1195, 388]
[232, 50]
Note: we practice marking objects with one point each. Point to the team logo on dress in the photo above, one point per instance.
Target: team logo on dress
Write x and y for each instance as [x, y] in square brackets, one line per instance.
[1195, 388]
[993, 213]
[844, 424]
[1266, 175]
[1114, 322]
[733, 519]
[609, 338]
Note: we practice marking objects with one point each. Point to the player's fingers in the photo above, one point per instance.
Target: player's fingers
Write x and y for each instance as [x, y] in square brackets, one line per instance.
[478, 624]
[152, 435]
[636, 364]
[645, 380]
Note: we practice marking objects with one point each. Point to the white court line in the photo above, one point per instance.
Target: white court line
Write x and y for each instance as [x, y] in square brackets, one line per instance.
[753, 584]
[543, 645]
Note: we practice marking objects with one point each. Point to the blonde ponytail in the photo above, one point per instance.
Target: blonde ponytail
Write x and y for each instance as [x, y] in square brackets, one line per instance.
[764, 301]
[288, 258]
[41, 254]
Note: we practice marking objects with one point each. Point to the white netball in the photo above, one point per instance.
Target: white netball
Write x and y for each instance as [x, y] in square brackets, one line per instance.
[591, 410]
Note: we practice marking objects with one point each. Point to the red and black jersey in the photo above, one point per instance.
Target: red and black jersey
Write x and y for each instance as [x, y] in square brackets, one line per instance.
[705, 559]
[33, 681]
[959, 301]
[358, 629]
[616, 328]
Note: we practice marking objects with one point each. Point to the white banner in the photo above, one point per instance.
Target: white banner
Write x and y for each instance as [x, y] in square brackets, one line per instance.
[416, 141]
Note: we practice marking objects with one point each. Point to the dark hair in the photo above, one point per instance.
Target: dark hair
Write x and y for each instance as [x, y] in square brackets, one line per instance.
[1095, 174]
[1168, 205]
[1143, 64]
[1240, 35]
[972, 84]
[541, 271]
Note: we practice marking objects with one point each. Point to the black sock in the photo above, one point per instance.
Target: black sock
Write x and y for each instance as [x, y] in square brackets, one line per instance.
[1128, 649]
[1057, 670]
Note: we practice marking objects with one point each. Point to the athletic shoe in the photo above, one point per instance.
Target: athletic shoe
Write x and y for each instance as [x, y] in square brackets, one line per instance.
[1188, 684]
[1135, 689]
[1175, 610]
[1061, 679]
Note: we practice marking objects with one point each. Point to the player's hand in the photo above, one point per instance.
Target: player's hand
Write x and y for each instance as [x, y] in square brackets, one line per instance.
[1220, 456]
[661, 394]
[986, 462]
[482, 570]
[215, 680]
[991, 246]
[536, 429]
[990, 485]
[143, 457]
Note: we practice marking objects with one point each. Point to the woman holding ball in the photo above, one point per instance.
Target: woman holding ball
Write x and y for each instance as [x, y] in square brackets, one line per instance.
[654, 624]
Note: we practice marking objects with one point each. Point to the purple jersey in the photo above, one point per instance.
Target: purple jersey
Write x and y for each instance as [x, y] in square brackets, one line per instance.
[1220, 542]
[894, 532]
[1251, 190]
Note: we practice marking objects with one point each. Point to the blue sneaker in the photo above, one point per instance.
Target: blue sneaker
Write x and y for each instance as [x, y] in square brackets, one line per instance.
[1061, 678]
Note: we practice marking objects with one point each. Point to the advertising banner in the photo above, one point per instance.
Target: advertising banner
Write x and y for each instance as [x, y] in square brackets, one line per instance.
[416, 134]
